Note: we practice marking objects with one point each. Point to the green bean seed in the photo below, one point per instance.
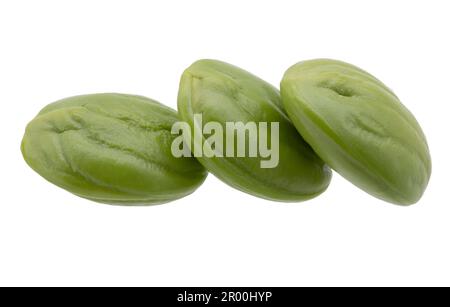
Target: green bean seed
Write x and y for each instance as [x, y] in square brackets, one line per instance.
[359, 127]
[110, 148]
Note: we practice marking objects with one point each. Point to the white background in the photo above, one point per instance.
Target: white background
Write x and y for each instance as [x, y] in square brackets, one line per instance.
[219, 236]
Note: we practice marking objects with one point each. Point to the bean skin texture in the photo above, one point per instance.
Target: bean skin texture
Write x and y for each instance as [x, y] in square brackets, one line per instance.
[359, 127]
[110, 148]
[222, 93]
